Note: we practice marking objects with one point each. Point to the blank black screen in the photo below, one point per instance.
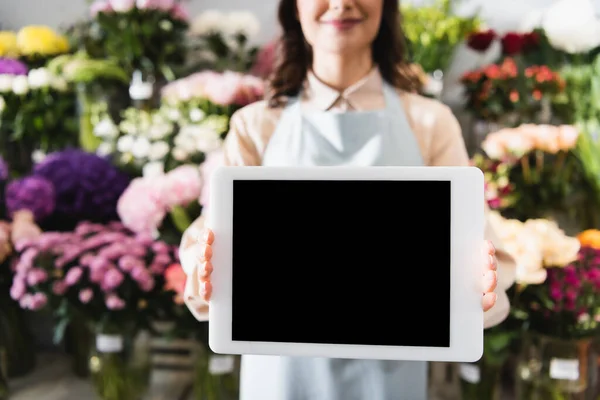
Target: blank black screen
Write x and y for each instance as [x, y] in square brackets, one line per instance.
[344, 262]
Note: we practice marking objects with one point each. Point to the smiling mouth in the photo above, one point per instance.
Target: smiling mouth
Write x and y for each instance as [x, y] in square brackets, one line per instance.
[343, 24]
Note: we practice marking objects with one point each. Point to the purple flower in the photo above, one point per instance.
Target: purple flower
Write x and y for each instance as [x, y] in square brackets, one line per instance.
[9, 66]
[31, 193]
[87, 186]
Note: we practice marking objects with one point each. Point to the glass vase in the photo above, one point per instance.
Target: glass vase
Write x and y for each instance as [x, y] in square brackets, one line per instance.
[216, 377]
[555, 369]
[79, 340]
[120, 365]
[4, 390]
[17, 338]
[480, 380]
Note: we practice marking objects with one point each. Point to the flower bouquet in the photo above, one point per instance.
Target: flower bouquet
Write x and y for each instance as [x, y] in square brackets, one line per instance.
[530, 171]
[143, 35]
[512, 44]
[433, 33]
[561, 321]
[37, 113]
[162, 204]
[223, 41]
[67, 187]
[97, 82]
[108, 279]
[504, 93]
[35, 45]
[536, 246]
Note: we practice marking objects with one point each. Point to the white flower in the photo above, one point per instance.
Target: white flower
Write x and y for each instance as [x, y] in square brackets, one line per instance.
[59, 83]
[173, 114]
[38, 156]
[128, 127]
[39, 78]
[572, 26]
[106, 128]
[153, 169]
[531, 21]
[125, 143]
[141, 147]
[160, 130]
[206, 144]
[20, 85]
[158, 150]
[241, 23]
[196, 115]
[179, 154]
[105, 149]
[6, 82]
[210, 21]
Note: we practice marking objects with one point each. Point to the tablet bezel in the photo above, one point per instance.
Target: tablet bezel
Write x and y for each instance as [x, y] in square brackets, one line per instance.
[467, 260]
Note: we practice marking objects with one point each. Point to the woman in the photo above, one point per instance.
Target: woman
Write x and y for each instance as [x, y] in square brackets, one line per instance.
[341, 82]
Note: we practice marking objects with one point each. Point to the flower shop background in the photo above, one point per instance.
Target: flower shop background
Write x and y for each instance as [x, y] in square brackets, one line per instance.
[112, 115]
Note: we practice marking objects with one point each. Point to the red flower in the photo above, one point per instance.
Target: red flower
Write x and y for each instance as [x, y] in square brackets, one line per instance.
[175, 278]
[531, 41]
[481, 41]
[512, 43]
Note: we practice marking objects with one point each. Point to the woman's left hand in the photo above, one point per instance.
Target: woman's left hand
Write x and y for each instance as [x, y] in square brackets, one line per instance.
[490, 279]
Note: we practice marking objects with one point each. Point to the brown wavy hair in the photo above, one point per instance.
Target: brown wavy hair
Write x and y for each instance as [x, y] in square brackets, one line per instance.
[295, 54]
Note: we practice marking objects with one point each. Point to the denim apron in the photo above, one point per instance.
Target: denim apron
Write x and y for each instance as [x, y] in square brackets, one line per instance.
[355, 138]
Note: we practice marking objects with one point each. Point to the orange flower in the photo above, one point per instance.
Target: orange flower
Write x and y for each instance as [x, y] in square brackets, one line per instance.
[175, 278]
[590, 238]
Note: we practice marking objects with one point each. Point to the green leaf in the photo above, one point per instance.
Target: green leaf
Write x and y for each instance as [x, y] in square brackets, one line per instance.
[180, 218]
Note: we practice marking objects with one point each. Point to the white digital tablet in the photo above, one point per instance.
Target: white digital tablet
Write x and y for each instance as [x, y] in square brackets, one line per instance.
[348, 262]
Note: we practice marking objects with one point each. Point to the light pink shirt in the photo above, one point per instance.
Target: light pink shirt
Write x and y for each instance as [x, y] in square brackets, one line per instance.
[435, 127]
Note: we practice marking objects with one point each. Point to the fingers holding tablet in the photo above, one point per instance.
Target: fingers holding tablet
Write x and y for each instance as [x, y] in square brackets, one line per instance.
[204, 265]
[489, 300]
[490, 278]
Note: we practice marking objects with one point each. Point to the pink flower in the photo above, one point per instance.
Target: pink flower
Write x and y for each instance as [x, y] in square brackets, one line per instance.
[181, 186]
[114, 302]
[180, 12]
[33, 302]
[36, 276]
[213, 160]
[140, 207]
[235, 88]
[86, 295]
[265, 60]
[59, 288]
[121, 6]
[73, 276]
[112, 279]
[147, 284]
[100, 6]
[163, 5]
[128, 262]
[160, 247]
[99, 263]
[18, 289]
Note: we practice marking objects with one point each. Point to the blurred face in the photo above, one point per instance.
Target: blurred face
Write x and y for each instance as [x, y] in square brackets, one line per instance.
[340, 26]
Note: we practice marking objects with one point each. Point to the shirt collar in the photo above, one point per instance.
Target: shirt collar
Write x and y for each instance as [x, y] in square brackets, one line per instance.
[359, 96]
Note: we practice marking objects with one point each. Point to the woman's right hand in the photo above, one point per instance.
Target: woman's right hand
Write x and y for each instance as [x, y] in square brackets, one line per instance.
[196, 254]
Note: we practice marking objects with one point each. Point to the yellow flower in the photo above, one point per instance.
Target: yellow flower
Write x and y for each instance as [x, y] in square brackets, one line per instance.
[41, 40]
[8, 44]
[590, 238]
